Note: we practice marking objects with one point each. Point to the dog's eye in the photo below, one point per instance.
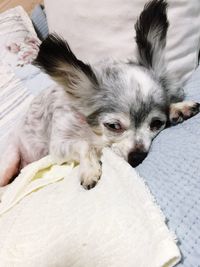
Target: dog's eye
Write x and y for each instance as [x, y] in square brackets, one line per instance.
[156, 124]
[115, 127]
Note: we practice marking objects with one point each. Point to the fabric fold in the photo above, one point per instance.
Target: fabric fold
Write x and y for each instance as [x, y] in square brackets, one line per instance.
[58, 223]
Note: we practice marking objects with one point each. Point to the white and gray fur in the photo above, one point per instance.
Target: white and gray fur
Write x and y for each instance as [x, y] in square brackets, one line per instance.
[122, 105]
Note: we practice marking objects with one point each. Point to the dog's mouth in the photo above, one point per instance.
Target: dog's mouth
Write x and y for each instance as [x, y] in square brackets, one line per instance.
[136, 158]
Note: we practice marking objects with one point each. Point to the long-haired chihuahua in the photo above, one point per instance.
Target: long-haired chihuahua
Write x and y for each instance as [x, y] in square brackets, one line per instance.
[121, 105]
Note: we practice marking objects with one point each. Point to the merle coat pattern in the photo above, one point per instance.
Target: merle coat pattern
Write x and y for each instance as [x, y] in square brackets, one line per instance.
[122, 105]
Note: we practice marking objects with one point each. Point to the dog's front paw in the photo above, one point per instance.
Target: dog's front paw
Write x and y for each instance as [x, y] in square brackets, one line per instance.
[182, 111]
[90, 175]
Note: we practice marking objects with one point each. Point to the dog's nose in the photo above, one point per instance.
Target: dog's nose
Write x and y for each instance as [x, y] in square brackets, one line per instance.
[136, 157]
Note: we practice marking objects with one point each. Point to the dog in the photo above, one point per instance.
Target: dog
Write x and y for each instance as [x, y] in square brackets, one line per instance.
[121, 105]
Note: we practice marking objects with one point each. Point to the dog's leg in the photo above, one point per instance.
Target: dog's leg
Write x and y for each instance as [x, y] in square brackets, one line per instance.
[181, 111]
[90, 168]
[9, 164]
[72, 140]
[80, 151]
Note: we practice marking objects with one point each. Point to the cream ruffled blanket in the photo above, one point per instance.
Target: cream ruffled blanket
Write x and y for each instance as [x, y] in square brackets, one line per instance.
[48, 220]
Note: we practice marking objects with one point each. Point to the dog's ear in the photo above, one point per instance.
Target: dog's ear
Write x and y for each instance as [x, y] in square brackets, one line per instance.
[56, 59]
[151, 30]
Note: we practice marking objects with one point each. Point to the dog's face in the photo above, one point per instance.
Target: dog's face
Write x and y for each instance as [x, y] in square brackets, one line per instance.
[130, 109]
[124, 103]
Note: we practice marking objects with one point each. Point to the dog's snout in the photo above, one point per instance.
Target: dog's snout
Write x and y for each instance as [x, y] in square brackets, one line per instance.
[136, 157]
[139, 146]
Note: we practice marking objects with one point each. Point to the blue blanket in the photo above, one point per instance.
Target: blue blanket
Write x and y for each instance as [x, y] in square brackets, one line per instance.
[172, 172]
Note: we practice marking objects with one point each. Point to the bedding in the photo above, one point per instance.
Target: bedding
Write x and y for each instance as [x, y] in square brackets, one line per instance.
[172, 172]
[39, 20]
[55, 222]
[14, 99]
[18, 84]
[15, 27]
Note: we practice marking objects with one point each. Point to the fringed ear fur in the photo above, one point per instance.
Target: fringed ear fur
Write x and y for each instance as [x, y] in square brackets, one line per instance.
[57, 60]
[151, 30]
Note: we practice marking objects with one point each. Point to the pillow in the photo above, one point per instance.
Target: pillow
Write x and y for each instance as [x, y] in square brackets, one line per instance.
[99, 29]
[14, 99]
[17, 37]
[16, 32]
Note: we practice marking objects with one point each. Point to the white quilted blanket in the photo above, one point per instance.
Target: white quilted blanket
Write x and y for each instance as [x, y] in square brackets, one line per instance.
[47, 219]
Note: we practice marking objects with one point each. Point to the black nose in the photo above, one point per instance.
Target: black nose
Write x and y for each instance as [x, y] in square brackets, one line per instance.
[136, 157]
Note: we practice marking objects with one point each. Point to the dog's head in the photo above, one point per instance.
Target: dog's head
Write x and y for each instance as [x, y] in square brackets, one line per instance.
[125, 103]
